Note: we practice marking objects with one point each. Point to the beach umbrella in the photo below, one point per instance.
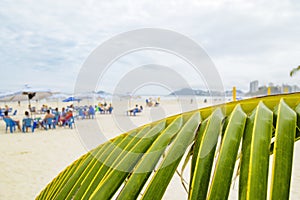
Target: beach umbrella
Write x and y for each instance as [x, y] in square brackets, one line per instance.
[6, 96]
[27, 93]
[71, 99]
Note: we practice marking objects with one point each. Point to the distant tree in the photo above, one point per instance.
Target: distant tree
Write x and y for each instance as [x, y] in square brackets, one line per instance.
[292, 73]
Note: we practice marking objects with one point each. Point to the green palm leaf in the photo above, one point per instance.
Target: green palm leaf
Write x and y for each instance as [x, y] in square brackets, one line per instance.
[144, 168]
[259, 153]
[283, 151]
[141, 163]
[205, 156]
[230, 145]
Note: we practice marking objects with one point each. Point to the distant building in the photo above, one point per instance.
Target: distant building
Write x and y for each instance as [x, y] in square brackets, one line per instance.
[253, 86]
[286, 88]
[255, 90]
[295, 88]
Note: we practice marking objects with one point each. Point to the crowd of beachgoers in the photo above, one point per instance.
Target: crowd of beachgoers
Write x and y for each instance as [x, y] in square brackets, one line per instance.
[49, 118]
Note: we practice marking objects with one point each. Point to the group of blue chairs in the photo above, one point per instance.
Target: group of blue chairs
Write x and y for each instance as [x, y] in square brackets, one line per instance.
[50, 123]
[86, 114]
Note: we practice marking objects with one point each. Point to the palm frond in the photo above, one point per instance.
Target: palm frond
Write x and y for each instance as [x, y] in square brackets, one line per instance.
[141, 163]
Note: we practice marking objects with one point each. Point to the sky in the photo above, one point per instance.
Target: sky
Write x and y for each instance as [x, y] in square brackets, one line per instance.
[45, 43]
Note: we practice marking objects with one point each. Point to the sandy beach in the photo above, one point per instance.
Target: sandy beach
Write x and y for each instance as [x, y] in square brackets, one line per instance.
[28, 162]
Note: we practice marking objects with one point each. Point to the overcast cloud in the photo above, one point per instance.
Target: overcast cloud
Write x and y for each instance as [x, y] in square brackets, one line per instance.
[44, 43]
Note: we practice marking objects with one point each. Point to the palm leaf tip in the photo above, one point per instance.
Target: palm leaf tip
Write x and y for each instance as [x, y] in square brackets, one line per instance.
[293, 72]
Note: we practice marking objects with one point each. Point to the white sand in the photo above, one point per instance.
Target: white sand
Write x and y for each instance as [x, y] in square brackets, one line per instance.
[29, 161]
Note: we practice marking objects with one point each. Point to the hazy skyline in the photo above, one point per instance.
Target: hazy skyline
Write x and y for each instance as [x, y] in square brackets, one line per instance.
[45, 43]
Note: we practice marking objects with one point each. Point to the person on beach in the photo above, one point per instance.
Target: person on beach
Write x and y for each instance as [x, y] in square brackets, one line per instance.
[47, 116]
[63, 112]
[135, 110]
[141, 109]
[110, 108]
[56, 115]
[44, 108]
[17, 122]
[26, 115]
[27, 122]
[149, 102]
[67, 117]
[91, 112]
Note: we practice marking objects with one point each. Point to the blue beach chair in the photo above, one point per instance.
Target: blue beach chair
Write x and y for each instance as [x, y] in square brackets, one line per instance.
[49, 123]
[28, 123]
[70, 122]
[11, 124]
[81, 113]
[1, 114]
